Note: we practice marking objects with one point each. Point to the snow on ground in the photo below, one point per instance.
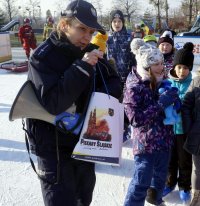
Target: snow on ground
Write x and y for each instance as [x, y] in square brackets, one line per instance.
[19, 185]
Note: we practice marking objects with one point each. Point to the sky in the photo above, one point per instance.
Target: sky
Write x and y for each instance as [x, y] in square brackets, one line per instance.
[52, 4]
[107, 3]
[19, 185]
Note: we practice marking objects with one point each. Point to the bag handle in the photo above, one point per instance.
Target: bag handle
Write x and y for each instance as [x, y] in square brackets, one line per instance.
[80, 120]
[104, 82]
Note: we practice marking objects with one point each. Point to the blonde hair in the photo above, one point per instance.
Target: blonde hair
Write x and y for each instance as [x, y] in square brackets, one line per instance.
[153, 82]
[64, 20]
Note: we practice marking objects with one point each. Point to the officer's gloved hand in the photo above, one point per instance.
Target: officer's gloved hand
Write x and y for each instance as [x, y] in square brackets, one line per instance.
[168, 97]
[69, 122]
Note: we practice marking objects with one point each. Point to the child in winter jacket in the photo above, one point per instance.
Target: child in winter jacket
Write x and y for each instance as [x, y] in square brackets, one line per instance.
[152, 139]
[118, 49]
[190, 116]
[180, 166]
[166, 46]
[118, 45]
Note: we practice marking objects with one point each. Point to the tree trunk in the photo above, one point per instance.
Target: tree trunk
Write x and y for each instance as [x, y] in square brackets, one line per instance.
[190, 13]
[159, 17]
[166, 8]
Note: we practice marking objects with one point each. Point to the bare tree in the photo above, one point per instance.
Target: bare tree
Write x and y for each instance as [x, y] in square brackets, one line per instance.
[9, 8]
[166, 11]
[61, 5]
[190, 12]
[177, 20]
[128, 7]
[158, 4]
[2, 17]
[190, 8]
[33, 8]
[196, 7]
[98, 5]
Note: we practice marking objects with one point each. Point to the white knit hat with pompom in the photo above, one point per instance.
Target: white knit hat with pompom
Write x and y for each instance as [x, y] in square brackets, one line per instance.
[146, 55]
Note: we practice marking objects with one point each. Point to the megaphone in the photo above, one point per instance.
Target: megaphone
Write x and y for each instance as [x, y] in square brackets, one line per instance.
[26, 105]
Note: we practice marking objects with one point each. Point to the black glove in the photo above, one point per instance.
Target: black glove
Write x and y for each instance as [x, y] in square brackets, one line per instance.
[168, 97]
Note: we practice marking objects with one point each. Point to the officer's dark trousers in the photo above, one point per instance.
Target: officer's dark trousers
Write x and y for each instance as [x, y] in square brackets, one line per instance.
[76, 182]
[196, 172]
[180, 165]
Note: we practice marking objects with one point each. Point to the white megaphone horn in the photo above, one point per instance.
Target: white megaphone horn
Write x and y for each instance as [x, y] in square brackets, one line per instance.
[26, 105]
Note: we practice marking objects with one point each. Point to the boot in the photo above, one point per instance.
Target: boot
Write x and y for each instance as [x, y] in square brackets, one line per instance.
[152, 196]
[167, 190]
[184, 195]
[195, 198]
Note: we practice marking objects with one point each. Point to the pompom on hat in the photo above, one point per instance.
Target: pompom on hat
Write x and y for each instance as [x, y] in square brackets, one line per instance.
[136, 44]
[185, 56]
[167, 36]
[146, 55]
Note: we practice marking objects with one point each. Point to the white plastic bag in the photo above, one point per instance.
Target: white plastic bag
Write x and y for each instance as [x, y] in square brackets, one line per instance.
[102, 134]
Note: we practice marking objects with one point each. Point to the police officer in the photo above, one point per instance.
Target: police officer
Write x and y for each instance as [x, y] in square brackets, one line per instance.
[63, 70]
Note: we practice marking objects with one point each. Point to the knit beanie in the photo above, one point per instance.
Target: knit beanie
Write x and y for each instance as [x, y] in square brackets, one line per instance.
[185, 56]
[166, 36]
[117, 14]
[146, 55]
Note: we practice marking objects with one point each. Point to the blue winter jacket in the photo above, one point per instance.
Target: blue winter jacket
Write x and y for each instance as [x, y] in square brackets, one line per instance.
[118, 47]
[146, 116]
[182, 86]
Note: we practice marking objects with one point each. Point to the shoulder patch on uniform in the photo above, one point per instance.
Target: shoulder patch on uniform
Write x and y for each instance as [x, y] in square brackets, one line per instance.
[42, 50]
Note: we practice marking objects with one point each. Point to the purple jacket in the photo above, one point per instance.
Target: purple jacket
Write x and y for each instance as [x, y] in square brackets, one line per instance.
[146, 117]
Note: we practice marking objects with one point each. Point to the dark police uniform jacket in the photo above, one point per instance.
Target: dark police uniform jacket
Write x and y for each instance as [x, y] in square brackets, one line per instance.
[60, 79]
[191, 117]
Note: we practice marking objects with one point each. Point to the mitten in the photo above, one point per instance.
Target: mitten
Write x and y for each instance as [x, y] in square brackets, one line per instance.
[69, 122]
[168, 97]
